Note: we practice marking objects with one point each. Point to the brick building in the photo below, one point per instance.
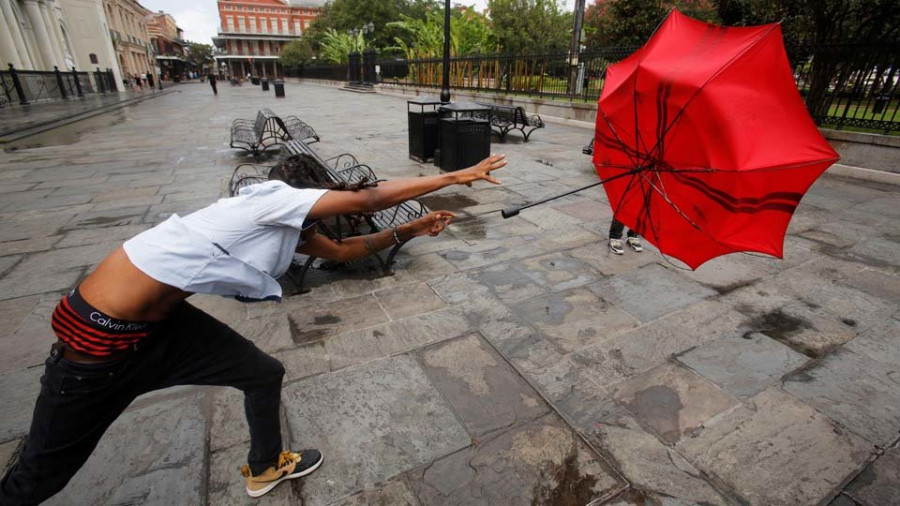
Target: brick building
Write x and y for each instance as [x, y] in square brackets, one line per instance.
[252, 33]
[168, 43]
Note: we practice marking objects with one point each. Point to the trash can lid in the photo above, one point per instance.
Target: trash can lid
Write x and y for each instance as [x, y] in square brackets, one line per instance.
[426, 101]
[465, 107]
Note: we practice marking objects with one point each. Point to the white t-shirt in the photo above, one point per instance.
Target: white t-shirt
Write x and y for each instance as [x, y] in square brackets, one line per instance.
[235, 247]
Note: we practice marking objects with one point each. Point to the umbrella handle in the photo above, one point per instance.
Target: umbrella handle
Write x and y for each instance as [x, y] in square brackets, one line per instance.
[509, 212]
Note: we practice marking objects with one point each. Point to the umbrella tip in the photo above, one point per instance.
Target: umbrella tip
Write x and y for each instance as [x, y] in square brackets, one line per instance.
[510, 212]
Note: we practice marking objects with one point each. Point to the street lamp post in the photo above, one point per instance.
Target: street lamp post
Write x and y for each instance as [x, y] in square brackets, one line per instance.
[354, 59]
[445, 84]
[368, 56]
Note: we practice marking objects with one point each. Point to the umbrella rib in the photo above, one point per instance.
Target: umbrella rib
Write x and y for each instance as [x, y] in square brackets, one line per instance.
[625, 148]
[700, 88]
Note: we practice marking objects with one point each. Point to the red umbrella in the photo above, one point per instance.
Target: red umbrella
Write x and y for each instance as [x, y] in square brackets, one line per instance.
[705, 140]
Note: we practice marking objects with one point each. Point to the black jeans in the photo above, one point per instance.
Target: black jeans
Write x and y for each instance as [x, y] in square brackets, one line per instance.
[78, 402]
[616, 228]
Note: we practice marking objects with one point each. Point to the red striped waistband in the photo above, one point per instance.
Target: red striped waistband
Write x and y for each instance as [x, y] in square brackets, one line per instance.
[87, 330]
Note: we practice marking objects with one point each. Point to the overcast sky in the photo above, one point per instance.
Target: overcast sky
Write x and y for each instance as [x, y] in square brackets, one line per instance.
[200, 19]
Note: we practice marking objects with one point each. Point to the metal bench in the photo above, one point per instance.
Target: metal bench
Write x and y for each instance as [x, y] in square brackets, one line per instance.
[292, 128]
[255, 136]
[509, 117]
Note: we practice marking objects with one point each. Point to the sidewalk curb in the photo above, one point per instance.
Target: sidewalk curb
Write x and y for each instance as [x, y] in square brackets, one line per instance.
[871, 175]
[56, 123]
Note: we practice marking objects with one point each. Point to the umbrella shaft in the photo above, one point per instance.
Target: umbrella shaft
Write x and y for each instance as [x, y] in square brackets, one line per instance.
[512, 211]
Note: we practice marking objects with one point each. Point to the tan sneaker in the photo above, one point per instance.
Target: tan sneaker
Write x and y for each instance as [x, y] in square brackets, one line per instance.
[290, 465]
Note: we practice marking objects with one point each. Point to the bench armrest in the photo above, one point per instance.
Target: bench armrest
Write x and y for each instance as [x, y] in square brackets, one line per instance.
[357, 173]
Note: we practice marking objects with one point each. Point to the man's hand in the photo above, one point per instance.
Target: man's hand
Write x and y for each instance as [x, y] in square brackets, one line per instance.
[482, 171]
[432, 224]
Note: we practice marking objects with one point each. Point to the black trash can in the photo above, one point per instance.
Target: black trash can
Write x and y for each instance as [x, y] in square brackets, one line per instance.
[279, 88]
[465, 133]
[254, 80]
[265, 83]
[423, 127]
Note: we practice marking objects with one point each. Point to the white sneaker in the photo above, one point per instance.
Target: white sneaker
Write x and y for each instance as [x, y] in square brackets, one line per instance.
[635, 244]
[615, 245]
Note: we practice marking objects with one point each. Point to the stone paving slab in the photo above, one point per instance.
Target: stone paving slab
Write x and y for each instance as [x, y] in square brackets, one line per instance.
[7, 451]
[575, 319]
[649, 464]
[650, 292]
[743, 366]
[647, 346]
[775, 450]
[672, 401]
[880, 482]
[538, 463]
[406, 423]
[161, 461]
[19, 392]
[853, 390]
[485, 393]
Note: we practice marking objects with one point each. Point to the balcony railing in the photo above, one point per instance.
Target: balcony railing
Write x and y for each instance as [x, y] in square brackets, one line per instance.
[260, 31]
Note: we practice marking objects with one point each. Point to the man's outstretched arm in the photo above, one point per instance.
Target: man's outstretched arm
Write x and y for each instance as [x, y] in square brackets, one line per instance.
[357, 247]
[390, 193]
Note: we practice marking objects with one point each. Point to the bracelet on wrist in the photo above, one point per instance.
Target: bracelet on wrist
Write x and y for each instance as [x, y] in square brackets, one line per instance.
[396, 235]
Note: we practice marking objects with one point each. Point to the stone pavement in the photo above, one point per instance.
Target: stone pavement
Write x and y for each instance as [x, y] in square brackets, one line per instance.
[506, 362]
[19, 118]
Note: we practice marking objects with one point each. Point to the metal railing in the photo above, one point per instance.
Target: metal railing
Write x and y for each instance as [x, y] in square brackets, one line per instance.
[331, 72]
[24, 87]
[844, 85]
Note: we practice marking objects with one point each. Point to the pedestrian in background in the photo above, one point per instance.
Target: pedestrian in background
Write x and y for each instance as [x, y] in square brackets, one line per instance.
[615, 238]
[212, 83]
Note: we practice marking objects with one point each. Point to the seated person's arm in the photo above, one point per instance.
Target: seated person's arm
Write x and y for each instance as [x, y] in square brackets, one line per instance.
[390, 193]
[357, 247]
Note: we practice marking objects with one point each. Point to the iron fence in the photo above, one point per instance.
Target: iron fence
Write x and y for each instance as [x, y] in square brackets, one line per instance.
[23, 87]
[335, 72]
[849, 85]
[844, 85]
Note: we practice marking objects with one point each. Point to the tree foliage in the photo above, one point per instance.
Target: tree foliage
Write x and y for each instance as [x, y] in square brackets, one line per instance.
[295, 53]
[200, 53]
[819, 21]
[530, 26]
[631, 22]
[336, 46]
[470, 33]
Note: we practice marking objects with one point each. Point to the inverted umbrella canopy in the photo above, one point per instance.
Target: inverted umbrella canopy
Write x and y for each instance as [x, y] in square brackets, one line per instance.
[710, 140]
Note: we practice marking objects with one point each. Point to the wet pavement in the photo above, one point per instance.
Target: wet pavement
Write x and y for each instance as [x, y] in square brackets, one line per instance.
[21, 118]
[506, 361]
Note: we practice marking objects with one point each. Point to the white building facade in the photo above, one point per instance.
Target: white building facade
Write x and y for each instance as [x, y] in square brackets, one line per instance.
[84, 34]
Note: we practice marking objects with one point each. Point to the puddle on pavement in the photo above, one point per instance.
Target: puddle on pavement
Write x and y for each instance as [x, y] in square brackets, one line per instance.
[67, 134]
[452, 203]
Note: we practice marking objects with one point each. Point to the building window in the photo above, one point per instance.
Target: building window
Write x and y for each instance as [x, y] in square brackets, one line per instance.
[94, 59]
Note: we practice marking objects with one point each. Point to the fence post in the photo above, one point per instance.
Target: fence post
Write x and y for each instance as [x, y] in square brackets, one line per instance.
[77, 83]
[59, 82]
[18, 85]
[99, 80]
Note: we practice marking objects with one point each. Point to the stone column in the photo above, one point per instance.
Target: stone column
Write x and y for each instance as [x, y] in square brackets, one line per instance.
[16, 33]
[40, 33]
[52, 30]
[8, 52]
